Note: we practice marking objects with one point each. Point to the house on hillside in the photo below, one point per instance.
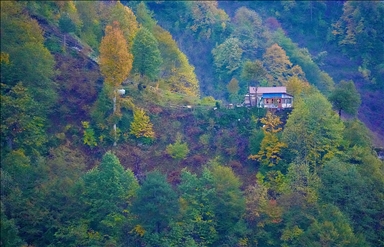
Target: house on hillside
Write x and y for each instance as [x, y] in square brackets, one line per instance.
[268, 97]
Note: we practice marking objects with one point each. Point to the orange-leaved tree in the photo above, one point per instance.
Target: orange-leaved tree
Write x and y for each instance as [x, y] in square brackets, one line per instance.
[115, 59]
[115, 65]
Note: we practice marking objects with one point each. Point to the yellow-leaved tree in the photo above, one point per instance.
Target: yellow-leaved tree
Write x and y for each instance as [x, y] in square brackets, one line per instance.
[297, 87]
[115, 59]
[127, 20]
[277, 64]
[115, 66]
[270, 145]
[141, 125]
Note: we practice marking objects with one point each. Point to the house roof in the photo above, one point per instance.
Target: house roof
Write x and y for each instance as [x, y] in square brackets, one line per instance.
[261, 90]
[277, 95]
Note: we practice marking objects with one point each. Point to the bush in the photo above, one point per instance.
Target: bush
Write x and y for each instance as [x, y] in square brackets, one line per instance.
[179, 150]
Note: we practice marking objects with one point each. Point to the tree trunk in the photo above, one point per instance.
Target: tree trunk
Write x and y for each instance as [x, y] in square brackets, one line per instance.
[114, 125]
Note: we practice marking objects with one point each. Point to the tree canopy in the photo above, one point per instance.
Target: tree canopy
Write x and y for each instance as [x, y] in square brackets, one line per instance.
[190, 170]
[346, 98]
[147, 57]
[115, 58]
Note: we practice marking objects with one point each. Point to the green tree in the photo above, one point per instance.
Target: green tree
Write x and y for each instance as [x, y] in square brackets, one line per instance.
[206, 18]
[324, 226]
[32, 63]
[227, 56]
[106, 193]
[147, 57]
[91, 31]
[89, 135]
[345, 97]
[253, 72]
[233, 90]
[156, 205]
[41, 191]
[312, 136]
[179, 150]
[66, 25]
[196, 207]
[21, 126]
[176, 71]
[229, 203]
[141, 125]
[356, 133]
[356, 193]
[249, 29]
[101, 112]
[9, 232]
[127, 20]
[357, 35]
[145, 16]
[55, 200]
[302, 186]
[330, 228]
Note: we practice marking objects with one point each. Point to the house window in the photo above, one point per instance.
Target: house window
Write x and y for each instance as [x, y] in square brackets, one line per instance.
[267, 101]
[288, 101]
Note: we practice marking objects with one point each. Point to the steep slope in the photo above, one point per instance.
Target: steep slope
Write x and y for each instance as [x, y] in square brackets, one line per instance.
[310, 28]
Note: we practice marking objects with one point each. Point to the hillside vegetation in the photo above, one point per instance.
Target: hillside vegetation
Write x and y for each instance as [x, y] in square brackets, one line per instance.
[118, 126]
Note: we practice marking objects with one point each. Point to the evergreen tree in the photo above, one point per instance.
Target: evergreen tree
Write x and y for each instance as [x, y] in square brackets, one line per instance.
[156, 205]
[91, 31]
[106, 192]
[146, 54]
[196, 207]
[9, 232]
[145, 16]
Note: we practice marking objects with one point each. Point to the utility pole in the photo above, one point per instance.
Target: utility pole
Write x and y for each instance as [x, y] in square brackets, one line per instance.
[114, 110]
[120, 92]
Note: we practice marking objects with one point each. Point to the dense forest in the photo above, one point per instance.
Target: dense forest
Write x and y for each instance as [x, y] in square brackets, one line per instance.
[123, 123]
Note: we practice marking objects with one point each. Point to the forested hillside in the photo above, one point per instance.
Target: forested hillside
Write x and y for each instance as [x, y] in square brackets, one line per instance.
[123, 123]
[329, 41]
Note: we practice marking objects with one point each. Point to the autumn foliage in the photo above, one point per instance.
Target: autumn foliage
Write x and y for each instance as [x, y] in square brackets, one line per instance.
[115, 59]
